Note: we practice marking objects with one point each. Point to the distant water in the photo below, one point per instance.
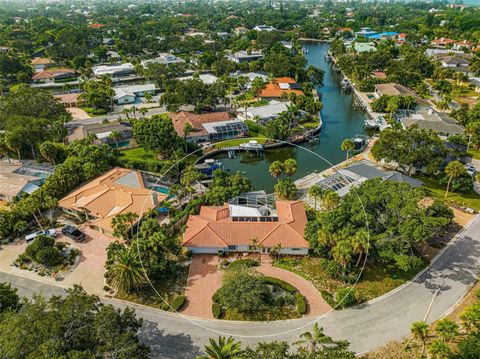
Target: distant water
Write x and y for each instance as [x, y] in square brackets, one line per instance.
[340, 121]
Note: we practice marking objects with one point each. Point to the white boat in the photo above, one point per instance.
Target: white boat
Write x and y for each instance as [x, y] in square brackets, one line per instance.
[251, 145]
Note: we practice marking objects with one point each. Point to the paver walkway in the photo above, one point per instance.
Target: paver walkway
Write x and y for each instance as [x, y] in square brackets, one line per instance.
[316, 304]
[204, 279]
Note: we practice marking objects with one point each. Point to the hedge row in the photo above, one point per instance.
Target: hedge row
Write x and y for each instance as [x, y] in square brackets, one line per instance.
[246, 262]
[217, 310]
[301, 303]
[282, 284]
[177, 302]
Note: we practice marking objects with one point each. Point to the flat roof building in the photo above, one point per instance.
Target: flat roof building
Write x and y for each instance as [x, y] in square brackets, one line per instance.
[113, 70]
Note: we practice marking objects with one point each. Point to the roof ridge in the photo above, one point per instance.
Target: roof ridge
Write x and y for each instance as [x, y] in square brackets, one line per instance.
[269, 233]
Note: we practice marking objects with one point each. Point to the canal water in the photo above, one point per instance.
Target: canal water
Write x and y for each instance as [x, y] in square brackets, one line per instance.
[340, 120]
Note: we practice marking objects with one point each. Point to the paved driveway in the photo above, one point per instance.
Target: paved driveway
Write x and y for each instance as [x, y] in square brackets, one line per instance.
[204, 279]
[366, 326]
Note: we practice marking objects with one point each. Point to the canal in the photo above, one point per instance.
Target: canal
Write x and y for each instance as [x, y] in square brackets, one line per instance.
[340, 120]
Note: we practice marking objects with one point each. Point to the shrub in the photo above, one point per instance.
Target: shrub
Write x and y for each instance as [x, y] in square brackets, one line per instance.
[301, 304]
[177, 302]
[220, 253]
[247, 262]
[345, 297]
[282, 284]
[216, 297]
[49, 256]
[217, 310]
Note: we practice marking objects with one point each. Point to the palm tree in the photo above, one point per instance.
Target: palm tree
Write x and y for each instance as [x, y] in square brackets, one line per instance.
[347, 145]
[446, 329]
[290, 167]
[134, 111]
[420, 331]
[276, 169]
[126, 111]
[187, 128]
[223, 349]
[115, 135]
[439, 350]
[453, 170]
[342, 253]
[143, 111]
[360, 244]
[316, 192]
[125, 272]
[314, 340]
[330, 199]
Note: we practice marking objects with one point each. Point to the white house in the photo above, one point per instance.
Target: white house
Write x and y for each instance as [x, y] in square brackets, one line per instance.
[264, 28]
[164, 59]
[114, 70]
[128, 94]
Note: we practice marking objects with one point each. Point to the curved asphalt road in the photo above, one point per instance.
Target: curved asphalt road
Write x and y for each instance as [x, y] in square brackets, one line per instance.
[367, 326]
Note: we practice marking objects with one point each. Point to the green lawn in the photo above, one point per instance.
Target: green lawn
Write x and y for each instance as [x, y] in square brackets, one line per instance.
[474, 153]
[375, 281]
[470, 199]
[238, 141]
[139, 153]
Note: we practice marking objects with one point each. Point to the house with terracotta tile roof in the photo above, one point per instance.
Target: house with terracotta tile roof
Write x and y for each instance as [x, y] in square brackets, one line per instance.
[238, 228]
[442, 42]
[41, 63]
[53, 74]
[280, 86]
[117, 191]
[213, 126]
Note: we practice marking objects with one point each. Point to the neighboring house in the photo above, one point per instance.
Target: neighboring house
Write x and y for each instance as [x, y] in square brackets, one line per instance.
[442, 43]
[394, 89]
[365, 31]
[287, 44]
[214, 126]
[117, 191]
[69, 99]
[264, 28]
[114, 70]
[280, 86]
[382, 35]
[53, 75]
[263, 114]
[164, 59]
[207, 79]
[355, 174]
[360, 47]
[429, 119]
[108, 41]
[237, 228]
[128, 94]
[102, 131]
[240, 30]
[245, 56]
[475, 81]
[41, 63]
[18, 177]
[13, 185]
[455, 62]
[463, 45]
[252, 76]
[442, 52]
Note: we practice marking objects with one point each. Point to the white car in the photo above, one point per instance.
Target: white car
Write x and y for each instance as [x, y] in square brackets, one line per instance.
[471, 169]
[47, 232]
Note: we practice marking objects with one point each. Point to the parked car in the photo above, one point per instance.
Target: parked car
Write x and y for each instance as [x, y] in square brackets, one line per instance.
[47, 232]
[471, 169]
[73, 233]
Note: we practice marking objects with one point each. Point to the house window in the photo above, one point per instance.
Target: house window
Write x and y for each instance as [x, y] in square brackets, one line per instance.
[232, 248]
[295, 249]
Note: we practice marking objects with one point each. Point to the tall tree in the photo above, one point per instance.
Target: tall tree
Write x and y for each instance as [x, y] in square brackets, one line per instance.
[454, 169]
[347, 145]
[223, 349]
[125, 273]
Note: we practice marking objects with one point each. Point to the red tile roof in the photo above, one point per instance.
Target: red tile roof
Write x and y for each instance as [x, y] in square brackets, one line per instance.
[181, 118]
[443, 41]
[213, 227]
[51, 73]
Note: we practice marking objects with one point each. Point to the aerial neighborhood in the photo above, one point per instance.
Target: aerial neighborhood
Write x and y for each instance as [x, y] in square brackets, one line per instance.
[242, 166]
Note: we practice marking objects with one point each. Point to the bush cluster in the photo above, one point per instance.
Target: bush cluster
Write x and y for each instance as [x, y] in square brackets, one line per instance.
[177, 302]
[43, 251]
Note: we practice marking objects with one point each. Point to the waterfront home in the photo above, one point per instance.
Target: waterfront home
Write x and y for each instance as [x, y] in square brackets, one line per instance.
[207, 79]
[280, 87]
[50, 75]
[358, 172]
[248, 228]
[365, 31]
[102, 133]
[117, 191]
[114, 70]
[129, 94]
[164, 59]
[263, 114]
[360, 47]
[394, 89]
[429, 119]
[244, 56]
[442, 43]
[287, 44]
[41, 63]
[214, 126]
[382, 35]
[264, 28]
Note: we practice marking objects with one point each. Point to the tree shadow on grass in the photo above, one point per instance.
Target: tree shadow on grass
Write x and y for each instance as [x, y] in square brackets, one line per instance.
[163, 345]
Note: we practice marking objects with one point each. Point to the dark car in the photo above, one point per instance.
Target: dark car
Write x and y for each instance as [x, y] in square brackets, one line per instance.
[74, 233]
